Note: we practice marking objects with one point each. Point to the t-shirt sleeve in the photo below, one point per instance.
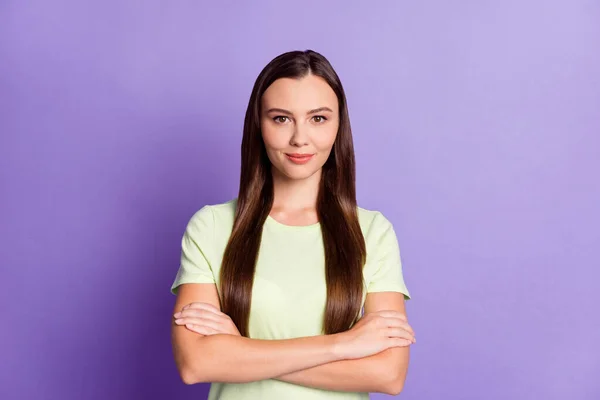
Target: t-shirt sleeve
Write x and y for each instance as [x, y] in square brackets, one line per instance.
[387, 276]
[194, 264]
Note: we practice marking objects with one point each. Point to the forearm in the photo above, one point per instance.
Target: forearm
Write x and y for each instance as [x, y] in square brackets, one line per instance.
[236, 359]
[378, 373]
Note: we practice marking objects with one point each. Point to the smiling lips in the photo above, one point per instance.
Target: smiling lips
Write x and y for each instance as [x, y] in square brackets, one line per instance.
[298, 158]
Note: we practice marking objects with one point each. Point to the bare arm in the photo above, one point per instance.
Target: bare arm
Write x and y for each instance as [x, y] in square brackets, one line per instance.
[228, 358]
[384, 372]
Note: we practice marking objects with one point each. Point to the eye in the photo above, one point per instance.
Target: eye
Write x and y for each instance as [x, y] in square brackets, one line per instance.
[280, 119]
[319, 119]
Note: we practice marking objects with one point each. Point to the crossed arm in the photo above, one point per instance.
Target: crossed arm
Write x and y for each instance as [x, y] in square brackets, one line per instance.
[310, 361]
[384, 372]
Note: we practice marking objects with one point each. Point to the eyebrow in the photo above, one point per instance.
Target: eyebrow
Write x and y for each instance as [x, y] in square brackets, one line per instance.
[282, 111]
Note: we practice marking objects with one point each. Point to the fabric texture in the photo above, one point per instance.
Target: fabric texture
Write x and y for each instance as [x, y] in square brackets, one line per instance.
[289, 291]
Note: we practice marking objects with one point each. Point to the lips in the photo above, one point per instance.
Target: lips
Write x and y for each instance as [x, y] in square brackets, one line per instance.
[299, 158]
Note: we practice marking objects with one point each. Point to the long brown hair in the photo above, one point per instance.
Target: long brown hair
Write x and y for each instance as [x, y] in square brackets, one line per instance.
[344, 244]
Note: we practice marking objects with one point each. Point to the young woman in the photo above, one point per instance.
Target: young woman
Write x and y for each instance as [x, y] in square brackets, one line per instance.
[271, 284]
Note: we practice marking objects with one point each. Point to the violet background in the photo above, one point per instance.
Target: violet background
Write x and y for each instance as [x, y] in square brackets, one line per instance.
[476, 128]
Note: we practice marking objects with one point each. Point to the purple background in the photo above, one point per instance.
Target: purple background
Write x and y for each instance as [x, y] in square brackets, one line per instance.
[476, 129]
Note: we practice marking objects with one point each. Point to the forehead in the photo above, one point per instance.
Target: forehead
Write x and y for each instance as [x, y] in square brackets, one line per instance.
[299, 95]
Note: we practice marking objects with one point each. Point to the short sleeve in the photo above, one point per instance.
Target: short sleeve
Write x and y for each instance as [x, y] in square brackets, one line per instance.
[194, 264]
[387, 276]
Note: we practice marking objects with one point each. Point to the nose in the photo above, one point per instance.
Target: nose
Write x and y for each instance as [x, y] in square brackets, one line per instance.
[299, 137]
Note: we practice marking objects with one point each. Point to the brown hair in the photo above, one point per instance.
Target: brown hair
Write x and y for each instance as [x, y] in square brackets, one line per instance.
[343, 240]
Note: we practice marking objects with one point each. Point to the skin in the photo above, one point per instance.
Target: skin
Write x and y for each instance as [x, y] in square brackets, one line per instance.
[289, 125]
[373, 355]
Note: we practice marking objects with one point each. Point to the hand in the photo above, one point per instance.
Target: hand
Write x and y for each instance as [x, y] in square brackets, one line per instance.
[374, 333]
[205, 319]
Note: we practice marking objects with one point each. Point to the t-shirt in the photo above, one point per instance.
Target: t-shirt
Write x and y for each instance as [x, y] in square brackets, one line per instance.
[289, 291]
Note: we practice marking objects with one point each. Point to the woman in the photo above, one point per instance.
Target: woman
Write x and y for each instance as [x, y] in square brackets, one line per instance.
[272, 283]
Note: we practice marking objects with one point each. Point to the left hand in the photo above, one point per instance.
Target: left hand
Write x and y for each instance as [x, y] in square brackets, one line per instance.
[205, 319]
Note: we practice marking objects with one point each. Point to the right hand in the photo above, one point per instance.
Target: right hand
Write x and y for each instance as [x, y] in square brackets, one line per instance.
[206, 319]
[374, 333]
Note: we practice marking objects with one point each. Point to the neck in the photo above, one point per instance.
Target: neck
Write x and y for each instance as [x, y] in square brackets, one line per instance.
[295, 194]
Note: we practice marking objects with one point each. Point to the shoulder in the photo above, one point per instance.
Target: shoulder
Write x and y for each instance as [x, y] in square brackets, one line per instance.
[222, 212]
[378, 231]
[215, 217]
[374, 223]
[215, 212]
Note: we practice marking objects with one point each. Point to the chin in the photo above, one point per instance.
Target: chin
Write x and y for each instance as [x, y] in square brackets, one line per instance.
[297, 173]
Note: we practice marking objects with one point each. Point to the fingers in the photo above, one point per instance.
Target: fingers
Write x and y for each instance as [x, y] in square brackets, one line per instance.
[395, 319]
[201, 313]
[398, 342]
[202, 318]
[400, 333]
[203, 306]
[203, 322]
[200, 309]
[395, 323]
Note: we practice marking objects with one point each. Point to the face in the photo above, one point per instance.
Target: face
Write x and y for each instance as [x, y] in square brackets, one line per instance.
[299, 123]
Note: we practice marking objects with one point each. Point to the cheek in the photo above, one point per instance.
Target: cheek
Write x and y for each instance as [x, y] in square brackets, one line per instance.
[274, 138]
[324, 140]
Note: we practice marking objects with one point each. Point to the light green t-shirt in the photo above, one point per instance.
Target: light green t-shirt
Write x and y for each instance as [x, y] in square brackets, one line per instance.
[289, 292]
